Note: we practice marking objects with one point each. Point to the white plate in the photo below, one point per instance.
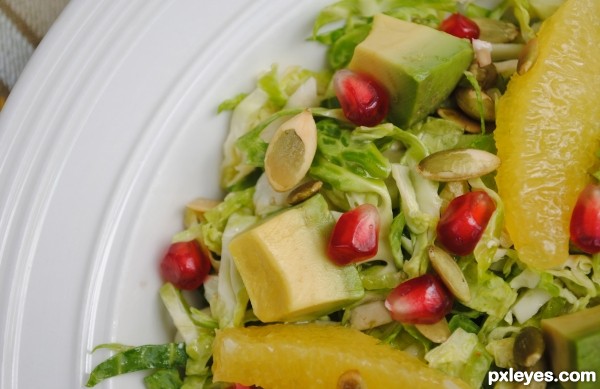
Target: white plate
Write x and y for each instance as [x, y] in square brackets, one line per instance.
[110, 130]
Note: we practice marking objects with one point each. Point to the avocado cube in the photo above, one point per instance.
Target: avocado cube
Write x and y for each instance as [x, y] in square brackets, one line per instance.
[420, 66]
[285, 268]
[573, 344]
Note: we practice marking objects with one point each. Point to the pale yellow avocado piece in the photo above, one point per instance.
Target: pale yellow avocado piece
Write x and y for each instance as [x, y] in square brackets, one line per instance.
[285, 269]
[419, 65]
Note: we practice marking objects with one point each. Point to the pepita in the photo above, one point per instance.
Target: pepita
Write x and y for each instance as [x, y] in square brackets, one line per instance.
[496, 31]
[291, 151]
[304, 191]
[527, 56]
[467, 100]
[351, 379]
[486, 76]
[467, 124]
[370, 315]
[529, 346]
[457, 164]
[450, 273]
[437, 332]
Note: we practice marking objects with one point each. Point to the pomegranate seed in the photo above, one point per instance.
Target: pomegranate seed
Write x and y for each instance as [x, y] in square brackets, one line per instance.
[585, 220]
[460, 26]
[364, 101]
[420, 300]
[355, 236]
[462, 223]
[185, 265]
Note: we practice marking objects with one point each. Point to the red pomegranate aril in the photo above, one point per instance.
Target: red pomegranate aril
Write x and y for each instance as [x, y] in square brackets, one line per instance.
[420, 300]
[364, 101]
[185, 265]
[355, 236]
[464, 220]
[585, 220]
[460, 26]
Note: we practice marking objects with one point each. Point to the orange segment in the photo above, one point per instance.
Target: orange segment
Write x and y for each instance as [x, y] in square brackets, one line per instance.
[548, 131]
[316, 356]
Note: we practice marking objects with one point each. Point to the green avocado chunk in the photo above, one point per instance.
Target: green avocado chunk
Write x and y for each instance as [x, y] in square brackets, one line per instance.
[285, 268]
[573, 343]
[420, 66]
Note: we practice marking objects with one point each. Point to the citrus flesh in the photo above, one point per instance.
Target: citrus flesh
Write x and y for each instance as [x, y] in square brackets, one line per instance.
[548, 131]
[316, 356]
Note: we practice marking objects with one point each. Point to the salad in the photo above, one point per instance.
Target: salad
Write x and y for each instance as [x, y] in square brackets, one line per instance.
[362, 198]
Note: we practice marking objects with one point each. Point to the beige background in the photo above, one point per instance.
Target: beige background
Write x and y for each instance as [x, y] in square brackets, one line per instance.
[23, 24]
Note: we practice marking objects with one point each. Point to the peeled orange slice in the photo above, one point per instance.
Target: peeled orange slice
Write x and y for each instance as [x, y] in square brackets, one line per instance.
[283, 356]
[548, 131]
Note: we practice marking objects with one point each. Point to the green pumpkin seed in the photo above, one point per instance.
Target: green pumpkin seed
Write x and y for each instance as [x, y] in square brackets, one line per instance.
[304, 191]
[529, 346]
[450, 274]
[496, 31]
[351, 379]
[437, 332]
[467, 100]
[458, 164]
[291, 151]
[467, 124]
[528, 56]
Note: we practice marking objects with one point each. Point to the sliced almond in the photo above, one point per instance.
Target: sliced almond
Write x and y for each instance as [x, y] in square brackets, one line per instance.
[291, 151]
[437, 332]
[458, 164]
[449, 272]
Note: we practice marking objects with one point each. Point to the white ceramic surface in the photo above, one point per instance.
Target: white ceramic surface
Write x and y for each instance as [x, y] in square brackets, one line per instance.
[110, 130]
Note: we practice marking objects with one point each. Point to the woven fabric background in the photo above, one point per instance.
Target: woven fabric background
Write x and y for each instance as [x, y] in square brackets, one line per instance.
[23, 24]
